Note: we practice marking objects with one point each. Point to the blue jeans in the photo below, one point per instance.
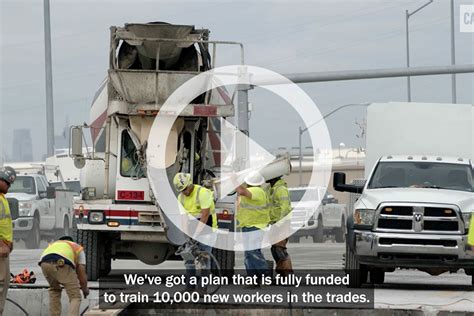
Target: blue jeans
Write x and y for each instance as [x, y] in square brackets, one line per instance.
[255, 262]
[191, 267]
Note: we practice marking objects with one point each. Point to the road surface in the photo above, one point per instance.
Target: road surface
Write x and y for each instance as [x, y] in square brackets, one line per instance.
[403, 289]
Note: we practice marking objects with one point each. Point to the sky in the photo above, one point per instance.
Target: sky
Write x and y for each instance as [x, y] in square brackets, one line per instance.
[283, 36]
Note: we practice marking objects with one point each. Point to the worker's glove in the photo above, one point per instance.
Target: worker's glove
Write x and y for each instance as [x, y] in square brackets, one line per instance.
[85, 292]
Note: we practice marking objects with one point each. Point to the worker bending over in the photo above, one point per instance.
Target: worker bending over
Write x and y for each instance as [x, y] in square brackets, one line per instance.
[63, 263]
[199, 203]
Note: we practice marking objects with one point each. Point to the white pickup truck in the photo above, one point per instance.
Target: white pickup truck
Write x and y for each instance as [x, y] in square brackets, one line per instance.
[329, 217]
[414, 209]
[39, 211]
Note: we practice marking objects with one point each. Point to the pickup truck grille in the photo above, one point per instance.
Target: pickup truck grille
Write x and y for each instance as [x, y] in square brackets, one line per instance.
[429, 219]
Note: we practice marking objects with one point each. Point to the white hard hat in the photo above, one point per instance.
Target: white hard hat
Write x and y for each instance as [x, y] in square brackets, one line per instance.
[254, 179]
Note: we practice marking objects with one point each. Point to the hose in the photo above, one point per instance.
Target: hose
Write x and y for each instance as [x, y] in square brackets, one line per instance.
[17, 305]
[219, 272]
[190, 246]
[84, 311]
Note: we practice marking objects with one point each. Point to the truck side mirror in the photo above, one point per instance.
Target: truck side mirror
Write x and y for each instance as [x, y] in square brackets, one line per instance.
[339, 184]
[76, 141]
[50, 192]
[75, 145]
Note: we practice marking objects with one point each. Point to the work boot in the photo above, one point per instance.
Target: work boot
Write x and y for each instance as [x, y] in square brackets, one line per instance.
[284, 267]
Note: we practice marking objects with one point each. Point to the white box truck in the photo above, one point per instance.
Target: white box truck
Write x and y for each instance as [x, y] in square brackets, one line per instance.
[414, 209]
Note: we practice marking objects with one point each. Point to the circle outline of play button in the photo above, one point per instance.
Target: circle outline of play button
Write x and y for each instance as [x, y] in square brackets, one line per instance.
[177, 102]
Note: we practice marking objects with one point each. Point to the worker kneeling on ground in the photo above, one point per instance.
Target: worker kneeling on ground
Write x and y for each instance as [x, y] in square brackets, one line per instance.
[63, 262]
[7, 177]
[280, 213]
[253, 216]
[198, 202]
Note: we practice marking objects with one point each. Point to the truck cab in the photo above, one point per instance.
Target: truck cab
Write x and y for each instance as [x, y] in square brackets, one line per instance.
[117, 215]
[38, 209]
[413, 212]
[414, 208]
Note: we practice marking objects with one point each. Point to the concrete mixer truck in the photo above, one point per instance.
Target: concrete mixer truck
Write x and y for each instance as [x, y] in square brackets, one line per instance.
[117, 216]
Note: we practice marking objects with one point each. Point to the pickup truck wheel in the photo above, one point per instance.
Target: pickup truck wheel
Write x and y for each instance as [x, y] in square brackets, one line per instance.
[377, 276]
[357, 272]
[319, 233]
[340, 233]
[33, 242]
[66, 230]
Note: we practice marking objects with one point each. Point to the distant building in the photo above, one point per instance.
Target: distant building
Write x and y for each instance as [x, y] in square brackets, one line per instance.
[22, 145]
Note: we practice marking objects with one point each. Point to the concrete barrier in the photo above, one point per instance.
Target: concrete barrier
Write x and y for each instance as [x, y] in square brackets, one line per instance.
[35, 301]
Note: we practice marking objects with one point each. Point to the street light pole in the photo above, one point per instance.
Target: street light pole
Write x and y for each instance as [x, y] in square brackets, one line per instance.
[48, 81]
[302, 130]
[453, 56]
[407, 16]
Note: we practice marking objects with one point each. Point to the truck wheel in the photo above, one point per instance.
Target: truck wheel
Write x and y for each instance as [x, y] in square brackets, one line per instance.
[90, 241]
[34, 240]
[106, 266]
[319, 233]
[377, 276]
[65, 231]
[226, 261]
[357, 272]
[340, 233]
[74, 229]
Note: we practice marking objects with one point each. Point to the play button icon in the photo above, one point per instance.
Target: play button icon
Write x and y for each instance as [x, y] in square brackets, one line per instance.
[239, 154]
[235, 160]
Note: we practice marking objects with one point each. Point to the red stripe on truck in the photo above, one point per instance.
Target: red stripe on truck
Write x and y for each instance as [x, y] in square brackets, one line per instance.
[205, 110]
[122, 213]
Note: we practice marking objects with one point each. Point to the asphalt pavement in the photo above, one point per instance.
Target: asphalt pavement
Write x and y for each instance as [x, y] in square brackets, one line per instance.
[403, 289]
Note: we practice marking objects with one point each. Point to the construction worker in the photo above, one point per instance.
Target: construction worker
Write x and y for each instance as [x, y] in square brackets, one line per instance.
[7, 177]
[470, 235]
[199, 203]
[280, 215]
[253, 216]
[63, 262]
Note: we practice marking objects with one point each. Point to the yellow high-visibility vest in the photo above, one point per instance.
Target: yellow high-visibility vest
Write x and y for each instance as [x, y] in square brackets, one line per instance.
[200, 198]
[280, 200]
[6, 228]
[66, 249]
[470, 236]
[254, 212]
